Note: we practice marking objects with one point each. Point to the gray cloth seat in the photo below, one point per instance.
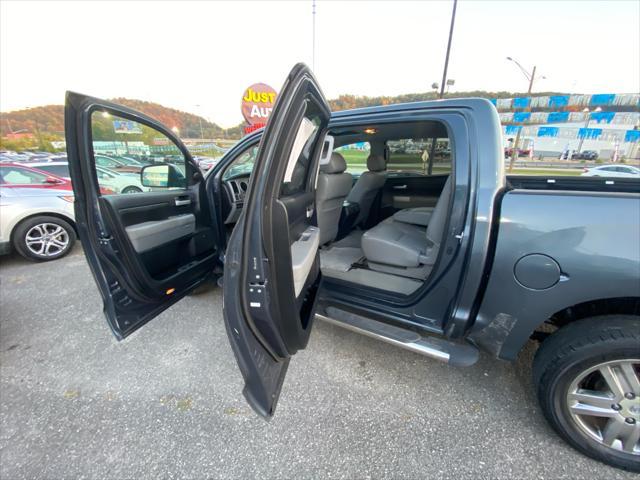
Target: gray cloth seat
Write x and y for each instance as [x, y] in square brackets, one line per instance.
[406, 249]
[332, 189]
[368, 185]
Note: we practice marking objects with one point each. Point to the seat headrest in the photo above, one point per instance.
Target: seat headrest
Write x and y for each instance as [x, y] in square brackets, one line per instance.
[336, 164]
[376, 163]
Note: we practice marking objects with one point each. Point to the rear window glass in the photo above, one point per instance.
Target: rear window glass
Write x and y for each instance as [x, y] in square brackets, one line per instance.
[355, 154]
[20, 176]
[60, 170]
[421, 156]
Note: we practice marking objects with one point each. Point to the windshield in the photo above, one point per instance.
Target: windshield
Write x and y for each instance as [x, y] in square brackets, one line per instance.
[243, 165]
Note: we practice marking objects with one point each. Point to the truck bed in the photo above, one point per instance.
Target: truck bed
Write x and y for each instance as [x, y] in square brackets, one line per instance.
[584, 184]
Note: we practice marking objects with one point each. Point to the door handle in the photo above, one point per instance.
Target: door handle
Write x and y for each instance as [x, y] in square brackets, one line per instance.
[182, 201]
[399, 187]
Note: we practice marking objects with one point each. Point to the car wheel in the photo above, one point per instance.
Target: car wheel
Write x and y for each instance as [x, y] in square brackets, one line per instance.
[43, 238]
[132, 189]
[587, 377]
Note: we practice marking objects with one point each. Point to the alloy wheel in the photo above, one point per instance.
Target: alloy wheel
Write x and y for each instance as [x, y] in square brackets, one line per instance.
[604, 402]
[47, 239]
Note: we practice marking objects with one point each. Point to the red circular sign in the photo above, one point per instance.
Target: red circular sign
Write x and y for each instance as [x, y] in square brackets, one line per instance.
[257, 103]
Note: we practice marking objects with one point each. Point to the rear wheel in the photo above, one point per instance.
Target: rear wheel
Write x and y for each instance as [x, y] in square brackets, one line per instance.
[132, 189]
[44, 238]
[587, 377]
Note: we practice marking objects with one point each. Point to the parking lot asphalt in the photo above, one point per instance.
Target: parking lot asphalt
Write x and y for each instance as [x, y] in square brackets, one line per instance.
[167, 402]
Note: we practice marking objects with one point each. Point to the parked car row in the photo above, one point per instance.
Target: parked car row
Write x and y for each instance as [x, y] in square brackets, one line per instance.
[129, 163]
[30, 156]
[584, 155]
[36, 197]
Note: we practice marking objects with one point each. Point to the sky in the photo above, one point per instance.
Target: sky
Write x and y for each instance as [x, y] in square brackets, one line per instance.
[199, 56]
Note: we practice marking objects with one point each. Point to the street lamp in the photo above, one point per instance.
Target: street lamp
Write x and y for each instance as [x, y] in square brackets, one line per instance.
[200, 119]
[450, 82]
[531, 77]
[586, 125]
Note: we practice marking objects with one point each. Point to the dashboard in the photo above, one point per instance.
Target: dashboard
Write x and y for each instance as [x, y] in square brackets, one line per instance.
[235, 190]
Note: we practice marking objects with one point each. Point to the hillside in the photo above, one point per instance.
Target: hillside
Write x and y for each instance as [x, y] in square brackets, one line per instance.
[46, 123]
[49, 119]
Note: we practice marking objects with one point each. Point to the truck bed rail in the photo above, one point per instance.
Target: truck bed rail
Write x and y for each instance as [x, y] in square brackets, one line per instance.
[586, 184]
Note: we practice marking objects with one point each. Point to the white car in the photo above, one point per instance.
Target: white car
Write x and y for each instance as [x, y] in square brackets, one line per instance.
[624, 171]
[38, 223]
[119, 182]
[206, 163]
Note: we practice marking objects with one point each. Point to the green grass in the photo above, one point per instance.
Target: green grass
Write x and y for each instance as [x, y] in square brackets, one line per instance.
[354, 157]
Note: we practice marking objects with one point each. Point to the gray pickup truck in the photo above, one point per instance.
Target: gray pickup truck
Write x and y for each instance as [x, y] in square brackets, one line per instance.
[429, 246]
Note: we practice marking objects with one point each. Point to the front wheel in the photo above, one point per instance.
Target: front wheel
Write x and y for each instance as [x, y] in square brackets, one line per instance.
[587, 377]
[132, 189]
[44, 238]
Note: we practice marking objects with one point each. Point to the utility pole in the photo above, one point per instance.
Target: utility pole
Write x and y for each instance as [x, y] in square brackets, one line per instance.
[434, 140]
[516, 143]
[531, 77]
[446, 60]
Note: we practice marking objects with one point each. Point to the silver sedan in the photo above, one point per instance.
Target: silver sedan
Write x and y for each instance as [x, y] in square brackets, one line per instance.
[38, 223]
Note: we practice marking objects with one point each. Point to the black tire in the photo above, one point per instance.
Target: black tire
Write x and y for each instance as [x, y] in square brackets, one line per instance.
[25, 227]
[131, 189]
[574, 349]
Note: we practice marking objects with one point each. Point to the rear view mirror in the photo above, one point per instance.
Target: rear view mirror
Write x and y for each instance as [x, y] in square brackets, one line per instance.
[51, 181]
[162, 176]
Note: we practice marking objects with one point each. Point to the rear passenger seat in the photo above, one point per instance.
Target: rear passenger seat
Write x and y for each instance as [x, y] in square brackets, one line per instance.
[414, 216]
[406, 248]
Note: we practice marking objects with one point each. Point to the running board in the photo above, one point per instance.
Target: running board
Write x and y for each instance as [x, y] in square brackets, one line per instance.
[456, 354]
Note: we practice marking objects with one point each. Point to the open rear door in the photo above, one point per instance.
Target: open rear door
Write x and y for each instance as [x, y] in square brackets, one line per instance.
[272, 266]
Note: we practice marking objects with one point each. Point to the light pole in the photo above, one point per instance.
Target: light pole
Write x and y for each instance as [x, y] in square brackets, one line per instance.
[586, 125]
[531, 77]
[200, 119]
[446, 59]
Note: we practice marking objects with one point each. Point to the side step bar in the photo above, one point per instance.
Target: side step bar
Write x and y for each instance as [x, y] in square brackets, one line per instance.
[456, 354]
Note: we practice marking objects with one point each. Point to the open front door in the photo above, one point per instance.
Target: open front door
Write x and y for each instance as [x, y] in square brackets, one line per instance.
[272, 265]
[151, 241]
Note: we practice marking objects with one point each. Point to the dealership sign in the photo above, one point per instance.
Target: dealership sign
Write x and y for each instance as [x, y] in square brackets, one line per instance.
[126, 126]
[257, 104]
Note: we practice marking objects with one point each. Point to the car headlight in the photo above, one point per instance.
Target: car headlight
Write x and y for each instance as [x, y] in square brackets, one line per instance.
[68, 198]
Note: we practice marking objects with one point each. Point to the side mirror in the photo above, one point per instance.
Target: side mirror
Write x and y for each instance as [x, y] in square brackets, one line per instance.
[162, 176]
[52, 181]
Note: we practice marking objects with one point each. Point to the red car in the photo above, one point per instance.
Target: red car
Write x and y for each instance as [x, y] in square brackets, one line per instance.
[13, 175]
[522, 152]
